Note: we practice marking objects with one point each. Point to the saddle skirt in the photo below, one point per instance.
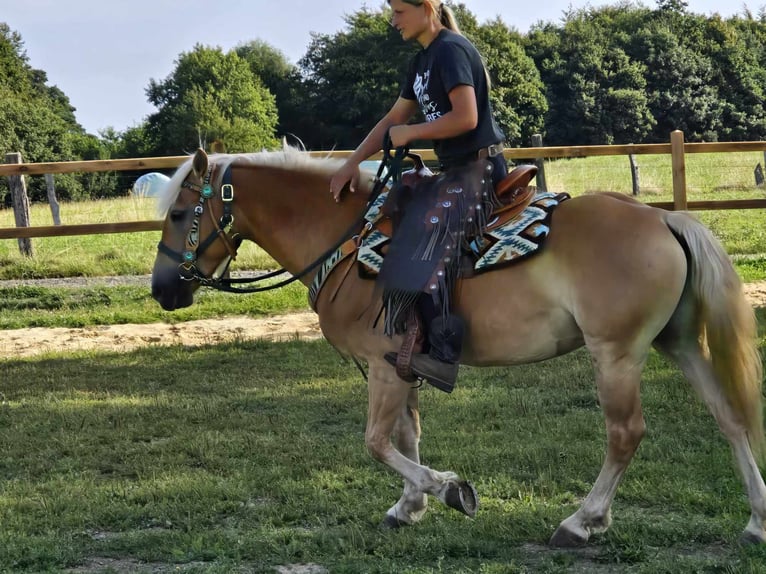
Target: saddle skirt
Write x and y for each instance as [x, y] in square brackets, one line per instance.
[514, 233]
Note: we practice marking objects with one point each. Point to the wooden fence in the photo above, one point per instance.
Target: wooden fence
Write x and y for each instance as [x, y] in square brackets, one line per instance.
[677, 148]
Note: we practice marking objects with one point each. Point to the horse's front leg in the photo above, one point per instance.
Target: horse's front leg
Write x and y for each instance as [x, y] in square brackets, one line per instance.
[393, 409]
[414, 502]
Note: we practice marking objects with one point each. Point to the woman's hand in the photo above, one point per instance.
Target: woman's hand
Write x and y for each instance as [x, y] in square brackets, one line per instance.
[348, 173]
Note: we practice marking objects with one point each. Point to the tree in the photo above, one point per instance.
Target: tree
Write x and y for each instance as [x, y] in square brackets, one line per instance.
[738, 53]
[211, 96]
[281, 78]
[682, 95]
[351, 78]
[678, 6]
[36, 120]
[596, 92]
[518, 93]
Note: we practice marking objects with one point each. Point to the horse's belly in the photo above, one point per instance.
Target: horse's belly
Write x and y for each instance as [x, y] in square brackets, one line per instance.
[517, 315]
[524, 338]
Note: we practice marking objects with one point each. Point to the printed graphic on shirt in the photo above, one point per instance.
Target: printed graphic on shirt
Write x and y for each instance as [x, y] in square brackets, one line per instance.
[427, 106]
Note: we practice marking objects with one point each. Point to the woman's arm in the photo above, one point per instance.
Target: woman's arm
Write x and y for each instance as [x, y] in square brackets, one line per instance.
[400, 113]
[462, 118]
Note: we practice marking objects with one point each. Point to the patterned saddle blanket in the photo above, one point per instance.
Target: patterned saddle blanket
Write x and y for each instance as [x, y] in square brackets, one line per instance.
[510, 238]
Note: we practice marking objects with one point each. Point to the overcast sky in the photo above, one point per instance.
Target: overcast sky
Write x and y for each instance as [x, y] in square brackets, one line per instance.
[102, 53]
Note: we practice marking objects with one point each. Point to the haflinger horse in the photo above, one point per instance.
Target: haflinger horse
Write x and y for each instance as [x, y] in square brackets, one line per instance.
[616, 276]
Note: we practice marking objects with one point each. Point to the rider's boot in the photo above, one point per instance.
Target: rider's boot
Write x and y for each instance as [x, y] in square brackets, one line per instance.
[439, 366]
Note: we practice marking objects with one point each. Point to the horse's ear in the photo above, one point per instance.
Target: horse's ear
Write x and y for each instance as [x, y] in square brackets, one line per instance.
[199, 164]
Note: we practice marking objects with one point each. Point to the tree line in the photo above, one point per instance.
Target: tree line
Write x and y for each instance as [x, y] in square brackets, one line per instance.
[623, 73]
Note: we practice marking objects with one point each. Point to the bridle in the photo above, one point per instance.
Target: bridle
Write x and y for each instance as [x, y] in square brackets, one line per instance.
[193, 249]
[223, 230]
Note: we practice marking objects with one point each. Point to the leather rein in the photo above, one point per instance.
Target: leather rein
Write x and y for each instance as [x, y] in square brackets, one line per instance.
[222, 229]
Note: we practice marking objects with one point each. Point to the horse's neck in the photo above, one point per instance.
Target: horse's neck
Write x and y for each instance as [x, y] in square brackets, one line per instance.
[294, 217]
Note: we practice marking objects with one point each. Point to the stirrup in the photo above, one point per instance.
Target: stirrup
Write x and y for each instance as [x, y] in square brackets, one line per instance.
[436, 373]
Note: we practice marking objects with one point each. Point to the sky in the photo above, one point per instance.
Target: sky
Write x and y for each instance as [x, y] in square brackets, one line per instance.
[103, 53]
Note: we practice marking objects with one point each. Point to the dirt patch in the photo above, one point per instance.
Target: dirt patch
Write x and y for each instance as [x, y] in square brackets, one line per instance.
[756, 293]
[39, 340]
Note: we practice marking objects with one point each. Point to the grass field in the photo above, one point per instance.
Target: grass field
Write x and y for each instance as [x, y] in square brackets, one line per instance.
[247, 457]
[242, 458]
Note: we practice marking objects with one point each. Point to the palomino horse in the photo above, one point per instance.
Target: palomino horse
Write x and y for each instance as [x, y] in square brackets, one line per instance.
[616, 276]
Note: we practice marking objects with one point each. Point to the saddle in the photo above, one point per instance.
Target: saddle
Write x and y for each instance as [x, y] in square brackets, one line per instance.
[513, 193]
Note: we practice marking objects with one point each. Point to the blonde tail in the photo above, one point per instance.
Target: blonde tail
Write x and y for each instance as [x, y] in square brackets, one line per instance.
[727, 324]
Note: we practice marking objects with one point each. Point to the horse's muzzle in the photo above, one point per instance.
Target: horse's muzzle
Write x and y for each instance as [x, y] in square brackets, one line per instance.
[170, 290]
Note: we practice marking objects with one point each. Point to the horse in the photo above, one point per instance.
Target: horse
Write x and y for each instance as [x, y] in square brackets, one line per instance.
[615, 275]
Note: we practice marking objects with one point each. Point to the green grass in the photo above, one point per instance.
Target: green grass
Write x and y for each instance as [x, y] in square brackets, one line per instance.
[245, 457]
[33, 306]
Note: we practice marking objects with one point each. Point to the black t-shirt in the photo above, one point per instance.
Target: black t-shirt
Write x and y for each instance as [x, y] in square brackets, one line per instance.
[450, 61]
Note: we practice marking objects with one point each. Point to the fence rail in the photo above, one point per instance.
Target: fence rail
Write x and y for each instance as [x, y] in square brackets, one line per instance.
[677, 149]
[549, 152]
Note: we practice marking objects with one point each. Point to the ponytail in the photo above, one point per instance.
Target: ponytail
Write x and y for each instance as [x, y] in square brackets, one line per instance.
[447, 17]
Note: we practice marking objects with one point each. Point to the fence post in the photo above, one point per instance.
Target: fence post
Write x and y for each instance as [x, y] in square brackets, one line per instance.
[679, 170]
[537, 141]
[634, 174]
[52, 199]
[20, 203]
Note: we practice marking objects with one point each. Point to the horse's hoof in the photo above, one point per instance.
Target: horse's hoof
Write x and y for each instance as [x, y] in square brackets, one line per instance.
[748, 538]
[391, 522]
[462, 496]
[565, 538]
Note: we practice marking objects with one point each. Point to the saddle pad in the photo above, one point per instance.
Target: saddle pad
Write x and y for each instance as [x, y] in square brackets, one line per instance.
[502, 244]
[520, 237]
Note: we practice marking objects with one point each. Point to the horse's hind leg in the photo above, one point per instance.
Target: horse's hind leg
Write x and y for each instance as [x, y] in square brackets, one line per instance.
[699, 372]
[618, 378]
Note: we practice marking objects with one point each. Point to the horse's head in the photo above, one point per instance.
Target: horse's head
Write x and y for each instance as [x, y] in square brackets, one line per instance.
[198, 240]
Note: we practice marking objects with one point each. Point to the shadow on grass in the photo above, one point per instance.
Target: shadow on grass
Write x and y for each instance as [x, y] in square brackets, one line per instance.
[253, 454]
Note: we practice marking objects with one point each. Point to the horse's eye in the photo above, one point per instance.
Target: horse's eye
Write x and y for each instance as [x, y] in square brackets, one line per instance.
[177, 215]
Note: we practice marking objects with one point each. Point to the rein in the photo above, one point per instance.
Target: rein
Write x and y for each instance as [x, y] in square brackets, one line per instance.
[187, 268]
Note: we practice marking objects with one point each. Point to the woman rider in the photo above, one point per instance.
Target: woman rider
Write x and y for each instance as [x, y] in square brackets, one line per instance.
[448, 83]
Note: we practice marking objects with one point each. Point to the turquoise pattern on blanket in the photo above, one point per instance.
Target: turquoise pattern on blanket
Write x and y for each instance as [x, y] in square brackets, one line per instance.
[521, 237]
[514, 241]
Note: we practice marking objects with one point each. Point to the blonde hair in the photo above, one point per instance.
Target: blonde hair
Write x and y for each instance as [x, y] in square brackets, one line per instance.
[442, 11]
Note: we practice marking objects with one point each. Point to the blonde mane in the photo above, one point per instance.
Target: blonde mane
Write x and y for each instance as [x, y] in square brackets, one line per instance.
[290, 158]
